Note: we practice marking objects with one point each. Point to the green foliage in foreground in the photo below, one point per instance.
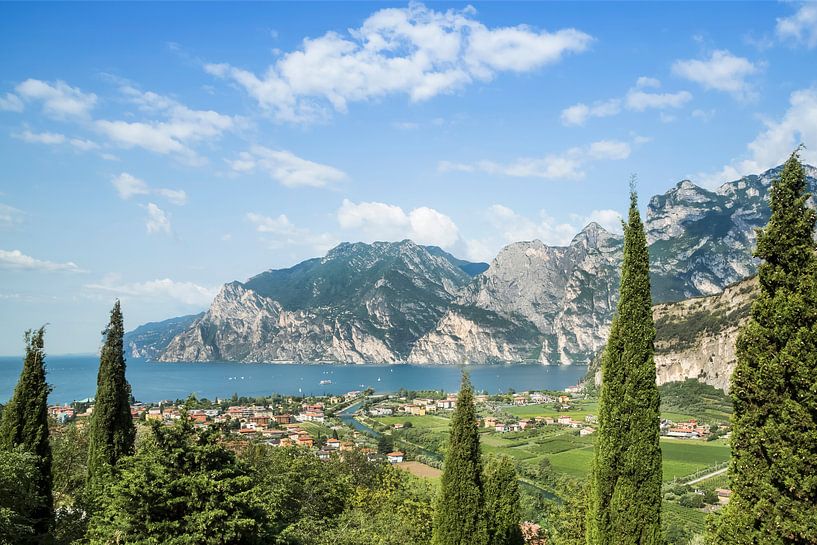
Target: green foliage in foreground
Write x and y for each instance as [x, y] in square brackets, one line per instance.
[774, 386]
[502, 502]
[458, 517]
[112, 432]
[20, 496]
[624, 505]
[25, 426]
[181, 487]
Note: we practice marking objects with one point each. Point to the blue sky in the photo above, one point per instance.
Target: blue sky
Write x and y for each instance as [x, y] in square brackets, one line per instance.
[152, 151]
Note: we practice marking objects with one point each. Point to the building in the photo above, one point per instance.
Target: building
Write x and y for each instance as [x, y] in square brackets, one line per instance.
[586, 431]
[565, 420]
[332, 443]
[395, 457]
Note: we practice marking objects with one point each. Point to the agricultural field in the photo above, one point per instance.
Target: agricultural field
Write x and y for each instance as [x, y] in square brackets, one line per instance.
[436, 423]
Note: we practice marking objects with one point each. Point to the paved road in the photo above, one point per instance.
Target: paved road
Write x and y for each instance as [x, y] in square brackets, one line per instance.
[708, 476]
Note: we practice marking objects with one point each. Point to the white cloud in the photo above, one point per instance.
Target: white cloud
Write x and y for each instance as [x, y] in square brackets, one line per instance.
[286, 168]
[187, 293]
[280, 232]
[10, 216]
[579, 113]
[11, 103]
[723, 71]
[15, 259]
[58, 99]
[128, 186]
[175, 196]
[381, 221]
[637, 99]
[414, 51]
[49, 138]
[775, 143]
[83, 145]
[645, 82]
[569, 165]
[157, 220]
[509, 226]
[801, 27]
[177, 129]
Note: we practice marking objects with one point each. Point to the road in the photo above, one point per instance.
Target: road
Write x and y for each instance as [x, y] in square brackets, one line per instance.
[708, 476]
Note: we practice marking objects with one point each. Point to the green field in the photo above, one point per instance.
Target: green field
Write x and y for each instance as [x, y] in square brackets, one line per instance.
[429, 421]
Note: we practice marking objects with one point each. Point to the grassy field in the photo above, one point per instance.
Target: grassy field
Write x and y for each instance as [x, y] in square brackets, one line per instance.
[428, 421]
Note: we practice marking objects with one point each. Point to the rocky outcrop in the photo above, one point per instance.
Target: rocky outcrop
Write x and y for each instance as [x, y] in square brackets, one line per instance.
[696, 338]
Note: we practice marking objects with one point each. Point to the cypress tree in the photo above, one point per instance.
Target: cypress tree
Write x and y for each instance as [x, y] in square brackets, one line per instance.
[25, 426]
[774, 386]
[624, 503]
[111, 432]
[502, 509]
[458, 514]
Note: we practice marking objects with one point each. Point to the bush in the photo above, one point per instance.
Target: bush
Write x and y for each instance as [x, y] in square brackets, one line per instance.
[692, 500]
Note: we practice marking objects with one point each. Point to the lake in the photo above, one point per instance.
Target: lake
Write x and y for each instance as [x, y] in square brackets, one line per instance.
[74, 378]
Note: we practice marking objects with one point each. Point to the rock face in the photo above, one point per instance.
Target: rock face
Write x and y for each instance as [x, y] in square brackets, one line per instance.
[535, 302]
[701, 241]
[695, 338]
[361, 303]
[393, 302]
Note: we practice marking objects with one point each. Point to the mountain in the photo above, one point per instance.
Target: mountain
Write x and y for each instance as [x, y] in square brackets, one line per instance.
[701, 241]
[149, 340]
[389, 302]
[360, 303]
[535, 302]
[695, 338]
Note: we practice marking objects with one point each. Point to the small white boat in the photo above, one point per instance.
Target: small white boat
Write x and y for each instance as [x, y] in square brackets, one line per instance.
[326, 382]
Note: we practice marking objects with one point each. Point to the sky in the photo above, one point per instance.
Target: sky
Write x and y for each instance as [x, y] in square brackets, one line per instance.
[152, 152]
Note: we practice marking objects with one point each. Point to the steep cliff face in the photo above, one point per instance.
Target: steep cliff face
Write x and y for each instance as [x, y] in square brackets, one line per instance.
[361, 303]
[695, 338]
[534, 303]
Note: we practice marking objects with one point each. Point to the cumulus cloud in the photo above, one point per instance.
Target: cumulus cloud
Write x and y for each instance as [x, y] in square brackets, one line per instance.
[415, 51]
[286, 168]
[800, 28]
[509, 226]
[175, 130]
[569, 165]
[11, 103]
[15, 259]
[382, 221]
[639, 98]
[281, 232]
[722, 71]
[10, 216]
[187, 293]
[157, 221]
[40, 137]
[58, 99]
[128, 186]
[773, 145]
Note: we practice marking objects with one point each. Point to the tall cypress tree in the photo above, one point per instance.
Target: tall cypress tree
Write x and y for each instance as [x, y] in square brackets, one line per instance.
[502, 510]
[458, 515]
[624, 503]
[111, 433]
[774, 386]
[25, 426]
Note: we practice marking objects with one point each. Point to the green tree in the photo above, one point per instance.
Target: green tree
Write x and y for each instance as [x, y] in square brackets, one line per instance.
[385, 444]
[502, 506]
[182, 487]
[774, 434]
[19, 496]
[624, 505]
[458, 514]
[25, 425]
[112, 432]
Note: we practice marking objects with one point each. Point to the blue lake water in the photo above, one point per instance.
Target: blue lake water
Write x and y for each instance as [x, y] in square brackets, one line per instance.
[74, 378]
